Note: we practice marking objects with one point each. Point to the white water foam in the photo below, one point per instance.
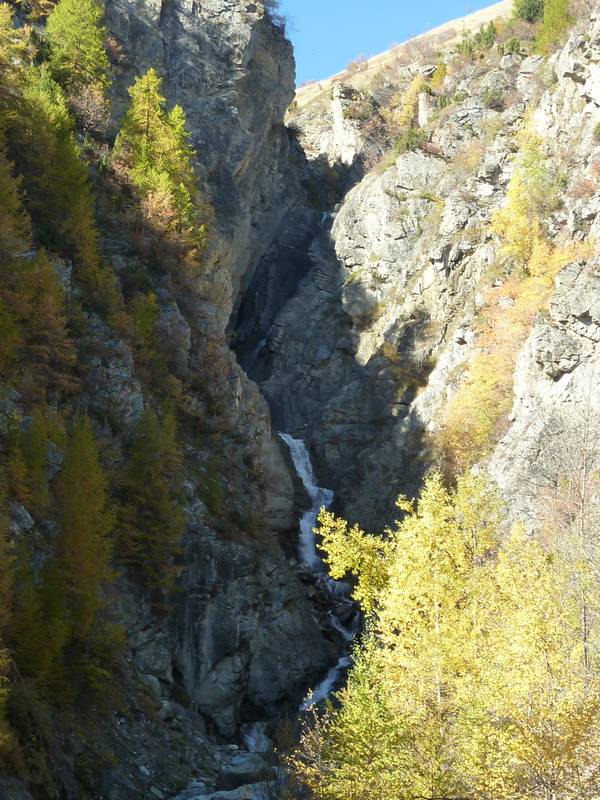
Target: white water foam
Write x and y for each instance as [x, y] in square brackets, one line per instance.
[347, 634]
[319, 498]
[323, 690]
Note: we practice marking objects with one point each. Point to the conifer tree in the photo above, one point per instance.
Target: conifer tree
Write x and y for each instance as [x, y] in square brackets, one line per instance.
[359, 749]
[56, 178]
[6, 587]
[14, 232]
[84, 545]
[27, 636]
[15, 54]
[154, 146]
[16, 473]
[529, 10]
[76, 40]
[48, 355]
[555, 22]
[58, 192]
[15, 226]
[152, 517]
[34, 442]
[6, 562]
[32, 320]
[39, 128]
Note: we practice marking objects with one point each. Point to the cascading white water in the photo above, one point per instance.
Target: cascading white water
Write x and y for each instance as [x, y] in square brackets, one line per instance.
[346, 633]
[323, 690]
[319, 498]
[309, 557]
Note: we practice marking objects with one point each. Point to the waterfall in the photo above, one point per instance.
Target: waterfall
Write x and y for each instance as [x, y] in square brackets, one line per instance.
[308, 555]
[319, 498]
[323, 690]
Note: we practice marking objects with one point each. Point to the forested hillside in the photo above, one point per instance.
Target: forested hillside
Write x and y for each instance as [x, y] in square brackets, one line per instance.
[122, 445]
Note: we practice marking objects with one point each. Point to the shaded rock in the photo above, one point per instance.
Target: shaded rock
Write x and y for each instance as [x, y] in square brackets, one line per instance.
[175, 335]
[256, 791]
[242, 768]
[13, 789]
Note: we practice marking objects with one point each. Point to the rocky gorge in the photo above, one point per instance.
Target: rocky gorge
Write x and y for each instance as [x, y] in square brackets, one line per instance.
[339, 307]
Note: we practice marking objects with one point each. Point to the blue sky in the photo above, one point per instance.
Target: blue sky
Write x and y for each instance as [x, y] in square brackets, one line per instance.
[327, 34]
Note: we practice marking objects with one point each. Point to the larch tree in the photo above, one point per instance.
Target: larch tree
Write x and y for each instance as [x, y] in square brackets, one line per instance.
[14, 232]
[84, 545]
[27, 637]
[34, 442]
[76, 40]
[154, 147]
[151, 520]
[58, 193]
[35, 349]
[6, 589]
[16, 51]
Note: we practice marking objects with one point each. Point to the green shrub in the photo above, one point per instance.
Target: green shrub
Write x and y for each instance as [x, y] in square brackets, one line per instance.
[485, 37]
[512, 46]
[410, 139]
[493, 99]
[529, 10]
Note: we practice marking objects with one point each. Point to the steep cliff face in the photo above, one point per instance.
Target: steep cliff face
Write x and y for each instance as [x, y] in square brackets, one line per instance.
[245, 639]
[240, 640]
[373, 346]
[245, 636]
[354, 299]
[556, 394]
[232, 70]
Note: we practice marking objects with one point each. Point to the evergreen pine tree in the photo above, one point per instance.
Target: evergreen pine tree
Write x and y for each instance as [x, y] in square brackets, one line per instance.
[529, 10]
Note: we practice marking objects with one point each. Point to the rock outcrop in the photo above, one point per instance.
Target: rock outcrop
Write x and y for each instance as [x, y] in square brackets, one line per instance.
[240, 640]
[365, 356]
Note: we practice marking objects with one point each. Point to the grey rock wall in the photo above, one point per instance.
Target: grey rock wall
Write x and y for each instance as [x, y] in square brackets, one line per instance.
[363, 359]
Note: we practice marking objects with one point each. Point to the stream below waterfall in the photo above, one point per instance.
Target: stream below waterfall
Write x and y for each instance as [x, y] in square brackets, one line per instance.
[256, 761]
[309, 557]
